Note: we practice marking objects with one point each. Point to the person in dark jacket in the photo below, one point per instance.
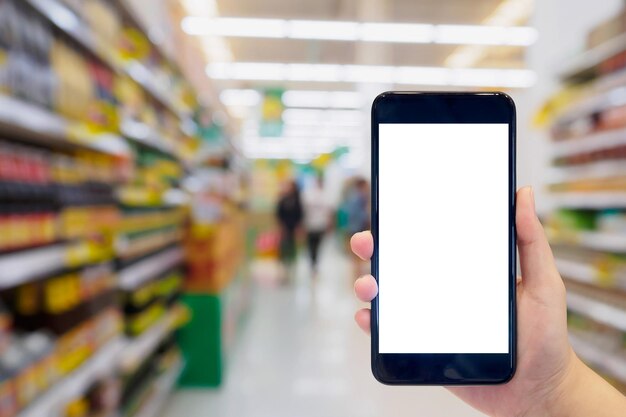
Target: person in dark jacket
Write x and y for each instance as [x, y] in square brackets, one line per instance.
[289, 214]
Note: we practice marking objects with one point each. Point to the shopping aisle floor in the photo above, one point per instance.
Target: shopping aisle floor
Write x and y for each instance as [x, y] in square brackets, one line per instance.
[300, 354]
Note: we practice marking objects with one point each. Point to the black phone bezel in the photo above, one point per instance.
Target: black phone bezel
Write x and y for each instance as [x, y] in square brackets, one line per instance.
[457, 368]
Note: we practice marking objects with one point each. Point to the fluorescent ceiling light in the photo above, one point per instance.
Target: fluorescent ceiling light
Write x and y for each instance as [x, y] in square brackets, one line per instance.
[355, 31]
[397, 32]
[235, 27]
[246, 98]
[297, 116]
[295, 98]
[470, 77]
[313, 134]
[322, 99]
[319, 29]
[312, 72]
[485, 35]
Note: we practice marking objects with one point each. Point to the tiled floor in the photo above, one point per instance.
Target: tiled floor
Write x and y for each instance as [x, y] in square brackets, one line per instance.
[301, 355]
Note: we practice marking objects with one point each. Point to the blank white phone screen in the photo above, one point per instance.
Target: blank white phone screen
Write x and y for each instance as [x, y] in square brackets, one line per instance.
[443, 238]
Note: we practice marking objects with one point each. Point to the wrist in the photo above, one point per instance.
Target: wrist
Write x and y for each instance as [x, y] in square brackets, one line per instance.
[581, 392]
[558, 395]
[563, 402]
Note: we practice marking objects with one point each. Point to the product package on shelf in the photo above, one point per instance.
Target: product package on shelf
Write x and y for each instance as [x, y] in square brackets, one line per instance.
[588, 184]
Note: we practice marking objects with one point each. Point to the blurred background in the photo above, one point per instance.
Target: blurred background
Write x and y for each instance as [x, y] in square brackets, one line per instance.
[179, 180]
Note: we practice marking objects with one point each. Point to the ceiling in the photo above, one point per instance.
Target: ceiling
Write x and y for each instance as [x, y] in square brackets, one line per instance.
[470, 12]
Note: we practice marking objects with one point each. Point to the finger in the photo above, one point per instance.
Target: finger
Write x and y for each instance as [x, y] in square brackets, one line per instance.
[536, 260]
[366, 288]
[362, 318]
[362, 244]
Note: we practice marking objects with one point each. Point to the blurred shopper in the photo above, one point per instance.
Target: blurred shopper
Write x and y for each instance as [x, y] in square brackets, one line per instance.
[357, 210]
[289, 214]
[316, 218]
[357, 206]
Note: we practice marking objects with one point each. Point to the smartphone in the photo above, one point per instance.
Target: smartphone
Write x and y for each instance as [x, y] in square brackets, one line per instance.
[443, 221]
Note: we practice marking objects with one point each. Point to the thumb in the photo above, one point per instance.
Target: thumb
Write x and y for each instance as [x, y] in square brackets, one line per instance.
[536, 260]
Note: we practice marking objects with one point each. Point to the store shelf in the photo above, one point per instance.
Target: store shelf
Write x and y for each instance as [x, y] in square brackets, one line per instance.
[129, 11]
[20, 267]
[587, 61]
[593, 104]
[133, 276]
[592, 171]
[38, 125]
[149, 82]
[66, 21]
[597, 310]
[163, 388]
[144, 135]
[594, 142]
[601, 241]
[138, 246]
[576, 271]
[138, 349]
[98, 365]
[132, 196]
[606, 362]
[590, 200]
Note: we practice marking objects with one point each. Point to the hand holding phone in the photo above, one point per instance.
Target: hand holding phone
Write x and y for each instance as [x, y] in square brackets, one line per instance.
[550, 379]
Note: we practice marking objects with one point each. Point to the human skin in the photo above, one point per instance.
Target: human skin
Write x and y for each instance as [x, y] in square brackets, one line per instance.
[550, 379]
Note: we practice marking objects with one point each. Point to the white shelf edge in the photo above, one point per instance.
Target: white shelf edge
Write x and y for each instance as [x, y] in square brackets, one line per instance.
[21, 267]
[28, 117]
[592, 171]
[143, 134]
[608, 362]
[577, 271]
[597, 310]
[141, 346]
[585, 273]
[593, 57]
[164, 386]
[136, 274]
[79, 380]
[123, 244]
[591, 200]
[608, 242]
[589, 143]
[613, 242]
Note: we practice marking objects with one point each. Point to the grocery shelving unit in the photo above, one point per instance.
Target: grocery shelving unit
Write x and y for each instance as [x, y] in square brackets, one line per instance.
[586, 230]
[98, 365]
[143, 253]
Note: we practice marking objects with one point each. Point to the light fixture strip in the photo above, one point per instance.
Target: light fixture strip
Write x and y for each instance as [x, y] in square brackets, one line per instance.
[363, 32]
[436, 76]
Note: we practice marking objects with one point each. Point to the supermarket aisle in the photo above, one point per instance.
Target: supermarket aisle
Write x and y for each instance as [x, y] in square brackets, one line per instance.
[301, 355]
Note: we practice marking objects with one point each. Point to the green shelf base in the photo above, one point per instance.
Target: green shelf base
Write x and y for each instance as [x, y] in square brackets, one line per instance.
[201, 342]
